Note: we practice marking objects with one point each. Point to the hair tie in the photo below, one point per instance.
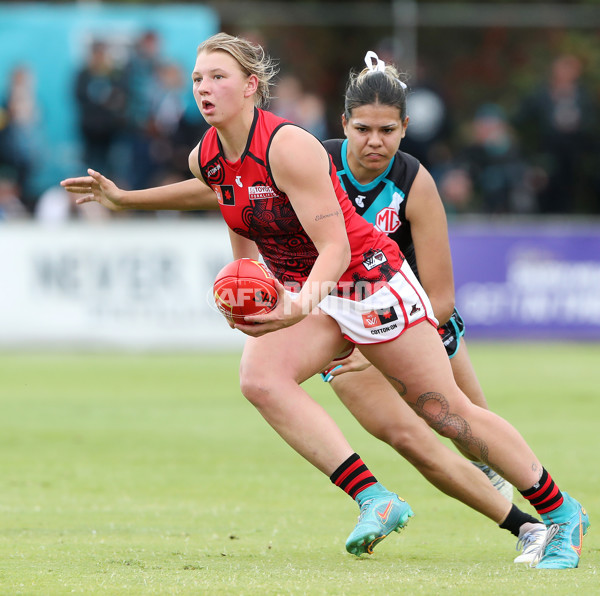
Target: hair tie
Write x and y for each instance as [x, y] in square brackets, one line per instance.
[378, 66]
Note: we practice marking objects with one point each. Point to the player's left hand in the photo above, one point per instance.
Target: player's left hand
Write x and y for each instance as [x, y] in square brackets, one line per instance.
[288, 312]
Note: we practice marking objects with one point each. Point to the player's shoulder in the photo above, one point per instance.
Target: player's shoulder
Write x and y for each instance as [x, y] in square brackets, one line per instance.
[294, 138]
[404, 170]
[194, 161]
[333, 146]
[208, 142]
[407, 160]
[293, 150]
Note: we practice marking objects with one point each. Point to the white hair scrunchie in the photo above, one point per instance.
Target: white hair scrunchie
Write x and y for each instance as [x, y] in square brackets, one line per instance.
[378, 65]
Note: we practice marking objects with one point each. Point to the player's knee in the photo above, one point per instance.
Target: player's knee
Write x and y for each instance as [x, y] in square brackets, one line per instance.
[409, 443]
[256, 389]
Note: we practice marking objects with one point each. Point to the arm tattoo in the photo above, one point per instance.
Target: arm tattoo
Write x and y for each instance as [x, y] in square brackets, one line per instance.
[326, 215]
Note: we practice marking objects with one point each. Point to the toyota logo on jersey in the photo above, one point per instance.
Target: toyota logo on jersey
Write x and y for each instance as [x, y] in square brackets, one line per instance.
[387, 220]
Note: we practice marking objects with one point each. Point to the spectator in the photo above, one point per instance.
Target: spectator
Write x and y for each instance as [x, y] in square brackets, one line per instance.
[312, 115]
[493, 160]
[20, 138]
[101, 100]
[167, 110]
[142, 73]
[305, 109]
[430, 124]
[558, 120]
[11, 206]
[456, 190]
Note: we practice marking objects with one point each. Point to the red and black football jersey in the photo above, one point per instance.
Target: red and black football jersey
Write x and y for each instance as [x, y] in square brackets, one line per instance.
[256, 209]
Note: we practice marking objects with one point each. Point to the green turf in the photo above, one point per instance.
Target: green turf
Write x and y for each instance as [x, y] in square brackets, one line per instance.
[148, 474]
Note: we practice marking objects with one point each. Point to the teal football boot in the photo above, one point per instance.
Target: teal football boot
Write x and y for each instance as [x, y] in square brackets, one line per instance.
[567, 526]
[381, 512]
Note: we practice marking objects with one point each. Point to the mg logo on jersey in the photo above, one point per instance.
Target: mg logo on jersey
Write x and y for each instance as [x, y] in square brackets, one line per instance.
[377, 318]
[387, 220]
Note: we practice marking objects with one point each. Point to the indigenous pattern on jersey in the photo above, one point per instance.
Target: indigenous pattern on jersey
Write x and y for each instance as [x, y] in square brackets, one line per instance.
[382, 202]
[254, 207]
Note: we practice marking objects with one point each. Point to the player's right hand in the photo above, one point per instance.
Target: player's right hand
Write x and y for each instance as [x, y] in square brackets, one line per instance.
[95, 187]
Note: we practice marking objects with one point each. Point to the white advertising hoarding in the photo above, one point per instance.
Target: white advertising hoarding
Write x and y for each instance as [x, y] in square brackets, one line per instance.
[131, 285]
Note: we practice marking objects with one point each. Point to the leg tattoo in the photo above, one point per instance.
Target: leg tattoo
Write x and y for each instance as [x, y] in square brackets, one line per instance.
[435, 410]
[398, 385]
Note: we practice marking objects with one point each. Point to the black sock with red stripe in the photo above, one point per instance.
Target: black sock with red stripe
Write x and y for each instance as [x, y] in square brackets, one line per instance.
[517, 518]
[544, 495]
[353, 476]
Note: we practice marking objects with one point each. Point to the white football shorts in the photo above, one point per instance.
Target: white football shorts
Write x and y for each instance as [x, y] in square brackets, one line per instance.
[385, 314]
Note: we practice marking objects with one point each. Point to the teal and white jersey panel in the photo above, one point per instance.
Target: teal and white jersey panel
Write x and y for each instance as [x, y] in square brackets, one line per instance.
[382, 202]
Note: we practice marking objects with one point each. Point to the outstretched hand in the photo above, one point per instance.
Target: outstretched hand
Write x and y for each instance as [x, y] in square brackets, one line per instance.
[95, 187]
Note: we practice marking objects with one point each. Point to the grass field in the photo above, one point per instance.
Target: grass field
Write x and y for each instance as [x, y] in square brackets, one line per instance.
[150, 474]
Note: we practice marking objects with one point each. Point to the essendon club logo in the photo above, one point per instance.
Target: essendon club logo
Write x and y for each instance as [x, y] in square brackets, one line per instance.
[376, 318]
[225, 194]
[373, 258]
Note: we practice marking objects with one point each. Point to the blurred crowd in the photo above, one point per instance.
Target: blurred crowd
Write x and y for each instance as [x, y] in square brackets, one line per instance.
[135, 126]
[133, 121]
[543, 158]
